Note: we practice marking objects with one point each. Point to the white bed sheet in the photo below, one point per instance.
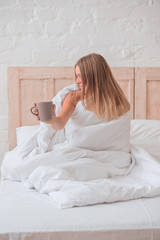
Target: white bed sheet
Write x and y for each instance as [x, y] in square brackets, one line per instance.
[27, 214]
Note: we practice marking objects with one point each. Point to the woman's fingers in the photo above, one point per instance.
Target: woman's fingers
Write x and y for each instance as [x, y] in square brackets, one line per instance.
[36, 111]
[54, 107]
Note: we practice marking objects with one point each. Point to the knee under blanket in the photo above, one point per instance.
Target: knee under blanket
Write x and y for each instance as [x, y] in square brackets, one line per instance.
[88, 162]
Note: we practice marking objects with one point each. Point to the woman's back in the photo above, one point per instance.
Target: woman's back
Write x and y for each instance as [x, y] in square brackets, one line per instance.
[98, 134]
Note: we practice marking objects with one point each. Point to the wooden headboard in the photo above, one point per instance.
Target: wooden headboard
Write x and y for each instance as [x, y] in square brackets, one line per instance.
[27, 85]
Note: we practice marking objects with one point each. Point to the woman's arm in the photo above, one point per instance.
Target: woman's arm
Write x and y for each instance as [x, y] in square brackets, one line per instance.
[58, 122]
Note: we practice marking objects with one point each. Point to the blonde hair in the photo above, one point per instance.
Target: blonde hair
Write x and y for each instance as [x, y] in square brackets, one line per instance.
[100, 89]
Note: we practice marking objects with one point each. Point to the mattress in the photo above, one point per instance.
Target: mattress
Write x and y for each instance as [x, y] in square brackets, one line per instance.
[27, 214]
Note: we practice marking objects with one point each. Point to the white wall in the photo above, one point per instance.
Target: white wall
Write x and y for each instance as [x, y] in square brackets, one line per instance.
[59, 32]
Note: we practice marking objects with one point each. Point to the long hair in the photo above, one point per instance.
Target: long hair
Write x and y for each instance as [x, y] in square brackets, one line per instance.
[100, 91]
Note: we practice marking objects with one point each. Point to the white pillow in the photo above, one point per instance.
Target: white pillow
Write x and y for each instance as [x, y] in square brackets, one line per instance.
[145, 130]
[22, 133]
[141, 131]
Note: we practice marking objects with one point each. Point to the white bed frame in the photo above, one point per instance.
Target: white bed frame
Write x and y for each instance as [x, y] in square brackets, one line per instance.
[27, 85]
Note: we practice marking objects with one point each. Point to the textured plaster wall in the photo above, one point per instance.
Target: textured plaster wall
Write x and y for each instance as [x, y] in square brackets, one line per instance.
[59, 32]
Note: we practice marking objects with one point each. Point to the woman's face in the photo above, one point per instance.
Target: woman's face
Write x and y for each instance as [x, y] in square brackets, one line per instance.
[78, 77]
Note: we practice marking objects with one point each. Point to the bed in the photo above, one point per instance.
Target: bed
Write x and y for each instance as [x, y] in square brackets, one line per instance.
[27, 214]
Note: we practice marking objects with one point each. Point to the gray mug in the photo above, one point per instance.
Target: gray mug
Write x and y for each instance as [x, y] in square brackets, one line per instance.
[45, 110]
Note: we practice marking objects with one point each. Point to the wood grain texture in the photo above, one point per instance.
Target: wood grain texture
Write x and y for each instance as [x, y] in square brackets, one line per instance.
[147, 93]
[27, 85]
[13, 105]
[140, 93]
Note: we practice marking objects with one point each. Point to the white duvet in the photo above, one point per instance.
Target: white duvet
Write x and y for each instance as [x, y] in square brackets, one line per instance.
[88, 162]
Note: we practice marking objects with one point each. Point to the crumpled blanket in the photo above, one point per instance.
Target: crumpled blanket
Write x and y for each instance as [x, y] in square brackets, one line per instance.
[88, 162]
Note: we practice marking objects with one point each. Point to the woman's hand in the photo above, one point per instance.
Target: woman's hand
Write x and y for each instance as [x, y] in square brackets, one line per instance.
[58, 122]
[35, 111]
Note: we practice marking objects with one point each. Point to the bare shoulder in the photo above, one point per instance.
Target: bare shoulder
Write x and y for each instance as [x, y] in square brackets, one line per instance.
[73, 97]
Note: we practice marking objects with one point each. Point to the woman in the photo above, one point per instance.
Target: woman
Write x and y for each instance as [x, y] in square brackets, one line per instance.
[97, 89]
[93, 144]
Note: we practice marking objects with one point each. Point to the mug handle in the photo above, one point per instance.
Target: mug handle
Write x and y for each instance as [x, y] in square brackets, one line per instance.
[33, 112]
